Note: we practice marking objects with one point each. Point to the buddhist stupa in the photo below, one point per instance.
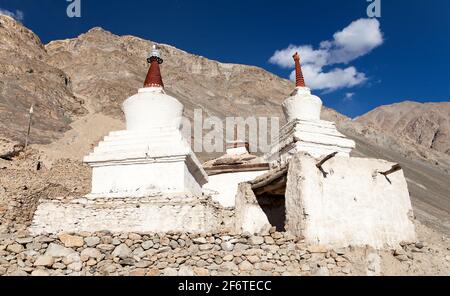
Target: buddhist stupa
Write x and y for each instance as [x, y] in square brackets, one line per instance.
[305, 131]
[151, 154]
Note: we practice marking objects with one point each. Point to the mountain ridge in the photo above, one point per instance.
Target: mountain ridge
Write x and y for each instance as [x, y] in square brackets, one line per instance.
[426, 124]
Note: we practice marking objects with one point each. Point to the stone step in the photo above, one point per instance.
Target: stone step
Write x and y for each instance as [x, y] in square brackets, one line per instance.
[134, 154]
[140, 132]
[147, 147]
[321, 123]
[113, 138]
[324, 139]
[142, 141]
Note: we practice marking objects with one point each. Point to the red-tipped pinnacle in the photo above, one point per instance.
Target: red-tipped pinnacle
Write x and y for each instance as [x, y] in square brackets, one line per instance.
[300, 80]
[154, 78]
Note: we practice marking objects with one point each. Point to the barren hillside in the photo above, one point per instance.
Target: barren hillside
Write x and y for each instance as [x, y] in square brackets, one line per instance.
[26, 79]
[425, 124]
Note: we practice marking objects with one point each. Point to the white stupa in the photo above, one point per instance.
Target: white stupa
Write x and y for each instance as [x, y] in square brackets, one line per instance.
[305, 131]
[151, 155]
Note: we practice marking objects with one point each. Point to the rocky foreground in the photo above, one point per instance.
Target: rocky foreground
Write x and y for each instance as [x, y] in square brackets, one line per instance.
[182, 254]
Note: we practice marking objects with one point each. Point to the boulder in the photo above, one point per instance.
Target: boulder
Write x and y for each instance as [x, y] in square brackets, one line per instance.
[44, 260]
[71, 241]
[55, 250]
[122, 251]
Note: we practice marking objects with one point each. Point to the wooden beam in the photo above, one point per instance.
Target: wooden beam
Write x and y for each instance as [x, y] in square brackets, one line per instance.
[273, 188]
[395, 168]
[268, 179]
[324, 160]
[211, 171]
[30, 120]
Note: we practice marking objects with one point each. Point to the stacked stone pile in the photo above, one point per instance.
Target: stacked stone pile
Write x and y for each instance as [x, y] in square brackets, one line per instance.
[167, 254]
[184, 254]
[25, 180]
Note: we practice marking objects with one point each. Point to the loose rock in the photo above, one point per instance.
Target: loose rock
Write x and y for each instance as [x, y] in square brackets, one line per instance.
[122, 251]
[71, 241]
[44, 260]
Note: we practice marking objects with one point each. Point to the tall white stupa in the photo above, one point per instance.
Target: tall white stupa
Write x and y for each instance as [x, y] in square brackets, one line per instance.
[305, 131]
[151, 155]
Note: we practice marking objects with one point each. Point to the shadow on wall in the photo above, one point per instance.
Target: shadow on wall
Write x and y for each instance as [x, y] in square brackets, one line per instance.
[274, 207]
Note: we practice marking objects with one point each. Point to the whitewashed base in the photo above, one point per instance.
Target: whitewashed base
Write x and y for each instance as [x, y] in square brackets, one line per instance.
[141, 179]
[317, 138]
[157, 214]
[354, 205]
[137, 163]
[223, 187]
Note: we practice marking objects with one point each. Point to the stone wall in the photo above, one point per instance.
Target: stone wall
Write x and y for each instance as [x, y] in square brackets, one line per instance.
[167, 254]
[150, 214]
[221, 253]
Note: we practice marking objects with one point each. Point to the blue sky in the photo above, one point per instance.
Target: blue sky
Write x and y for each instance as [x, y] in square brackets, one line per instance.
[403, 55]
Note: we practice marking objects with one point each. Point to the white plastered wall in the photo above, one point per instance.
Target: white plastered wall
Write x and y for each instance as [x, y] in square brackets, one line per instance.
[223, 187]
[139, 179]
[249, 215]
[125, 216]
[353, 205]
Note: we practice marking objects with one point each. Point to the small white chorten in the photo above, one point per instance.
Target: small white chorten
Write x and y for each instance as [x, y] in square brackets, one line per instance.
[305, 131]
[151, 155]
[236, 166]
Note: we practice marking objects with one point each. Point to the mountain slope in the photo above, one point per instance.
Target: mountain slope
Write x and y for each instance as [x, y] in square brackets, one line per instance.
[109, 68]
[427, 125]
[26, 79]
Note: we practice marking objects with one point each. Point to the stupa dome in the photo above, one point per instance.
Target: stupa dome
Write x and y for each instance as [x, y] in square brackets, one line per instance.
[302, 104]
[151, 106]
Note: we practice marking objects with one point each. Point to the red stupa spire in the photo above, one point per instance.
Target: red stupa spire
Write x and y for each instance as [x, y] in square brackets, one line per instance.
[300, 80]
[154, 78]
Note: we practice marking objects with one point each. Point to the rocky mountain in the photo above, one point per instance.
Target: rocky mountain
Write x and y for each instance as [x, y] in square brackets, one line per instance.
[27, 79]
[77, 86]
[427, 125]
[109, 68]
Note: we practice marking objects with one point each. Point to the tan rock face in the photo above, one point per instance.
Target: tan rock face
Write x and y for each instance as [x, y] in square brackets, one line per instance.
[427, 125]
[8, 148]
[44, 261]
[26, 79]
[17, 38]
[71, 240]
[108, 69]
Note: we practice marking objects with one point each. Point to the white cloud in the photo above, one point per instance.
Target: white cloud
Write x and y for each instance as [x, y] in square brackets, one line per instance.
[334, 79]
[354, 41]
[283, 57]
[349, 96]
[17, 15]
